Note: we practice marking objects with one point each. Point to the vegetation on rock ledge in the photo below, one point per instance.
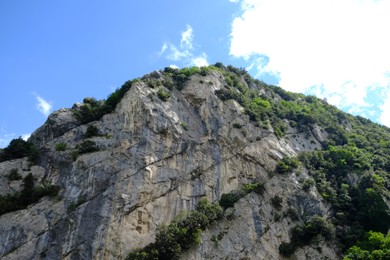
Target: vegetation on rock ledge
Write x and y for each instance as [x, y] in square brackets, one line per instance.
[29, 195]
[181, 234]
[351, 171]
[349, 168]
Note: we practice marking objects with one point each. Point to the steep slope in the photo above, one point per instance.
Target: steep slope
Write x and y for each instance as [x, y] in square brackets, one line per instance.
[160, 144]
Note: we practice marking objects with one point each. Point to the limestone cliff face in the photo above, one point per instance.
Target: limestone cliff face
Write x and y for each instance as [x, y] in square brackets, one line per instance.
[156, 159]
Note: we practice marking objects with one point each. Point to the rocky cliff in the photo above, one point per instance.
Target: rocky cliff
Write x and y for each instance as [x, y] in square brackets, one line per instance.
[154, 156]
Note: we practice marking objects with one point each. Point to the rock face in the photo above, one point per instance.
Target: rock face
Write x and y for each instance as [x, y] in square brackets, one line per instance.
[156, 159]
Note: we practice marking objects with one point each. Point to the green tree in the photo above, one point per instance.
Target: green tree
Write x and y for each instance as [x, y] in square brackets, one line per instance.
[375, 246]
[19, 148]
[229, 199]
[27, 194]
[91, 131]
[373, 212]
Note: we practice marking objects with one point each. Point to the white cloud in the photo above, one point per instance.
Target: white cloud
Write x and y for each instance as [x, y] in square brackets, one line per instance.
[335, 49]
[173, 66]
[187, 38]
[385, 116]
[176, 54]
[164, 47]
[200, 60]
[185, 52]
[25, 137]
[43, 106]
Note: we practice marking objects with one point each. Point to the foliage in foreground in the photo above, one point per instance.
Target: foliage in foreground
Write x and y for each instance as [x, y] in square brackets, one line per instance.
[181, 234]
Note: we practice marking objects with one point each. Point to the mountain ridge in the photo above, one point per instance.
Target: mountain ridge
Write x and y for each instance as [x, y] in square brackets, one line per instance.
[131, 163]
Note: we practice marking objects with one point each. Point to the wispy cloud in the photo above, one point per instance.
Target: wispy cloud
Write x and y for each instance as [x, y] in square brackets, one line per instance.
[173, 53]
[334, 49]
[185, 52]
[187, 38]
[43, 106]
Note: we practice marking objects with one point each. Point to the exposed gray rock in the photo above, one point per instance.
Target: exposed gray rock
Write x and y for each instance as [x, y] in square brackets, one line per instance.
[58, 123]
[155, 160]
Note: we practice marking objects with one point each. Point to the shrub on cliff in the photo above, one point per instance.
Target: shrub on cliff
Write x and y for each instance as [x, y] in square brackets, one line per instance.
[302, 235]
[91, 131]
[287, 164]
[14, 175]
[87, 146]
[229, 199]
[163, 94]
[60, 147]
[29, 195]
[92, 109]
[180, 235]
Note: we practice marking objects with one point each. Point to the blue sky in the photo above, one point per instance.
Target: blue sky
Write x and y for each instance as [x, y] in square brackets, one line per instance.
[54, 53]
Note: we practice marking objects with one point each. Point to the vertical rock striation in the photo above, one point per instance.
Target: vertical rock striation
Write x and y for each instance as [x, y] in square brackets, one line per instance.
[156, 159]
